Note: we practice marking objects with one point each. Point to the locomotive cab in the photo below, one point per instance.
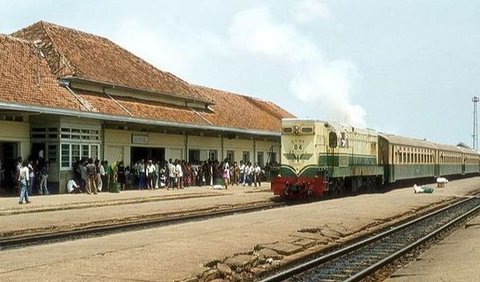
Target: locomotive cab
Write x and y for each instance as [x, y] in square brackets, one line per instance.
[299, 175]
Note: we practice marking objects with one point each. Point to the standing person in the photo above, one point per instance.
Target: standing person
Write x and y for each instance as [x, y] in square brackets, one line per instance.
[31, 175]
[187, 174]
[171, 174]
[242, 173]
[201, 175]
[207, 173]
[91, 173]
[98, 175]
[82, 169]
[43, 189]
[150, 174]
[23, 179]
[226, 175]
[179, 172]
[16, 173]
[257, 175]
[121, 175]
[157, 174]
[107, 176]
[248, 174]
[236, 173]
[162, 175]
[141, 174]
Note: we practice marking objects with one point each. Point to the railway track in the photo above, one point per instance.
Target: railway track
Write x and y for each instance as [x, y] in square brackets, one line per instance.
[363, 259]
[101, 230]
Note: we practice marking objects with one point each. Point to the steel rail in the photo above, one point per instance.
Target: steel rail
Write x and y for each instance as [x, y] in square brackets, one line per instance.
[92, 231]
[283, 275]
[370, 270]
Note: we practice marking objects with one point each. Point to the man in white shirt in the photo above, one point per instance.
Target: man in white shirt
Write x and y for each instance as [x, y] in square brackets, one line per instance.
[256, 174]
[141, 174]
[72, 187]
[179, 171]
[150, 173]
[171, 174]
[23, 179]
[242, 173]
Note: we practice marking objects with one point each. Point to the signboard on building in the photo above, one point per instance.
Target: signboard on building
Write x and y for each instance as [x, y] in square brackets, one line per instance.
[139, 139]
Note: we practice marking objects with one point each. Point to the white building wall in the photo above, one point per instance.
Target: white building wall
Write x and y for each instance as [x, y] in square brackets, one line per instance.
[119, 142]
[17, 132]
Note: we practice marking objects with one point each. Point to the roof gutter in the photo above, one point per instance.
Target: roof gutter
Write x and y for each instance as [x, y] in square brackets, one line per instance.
[104, 117]
[113, 86]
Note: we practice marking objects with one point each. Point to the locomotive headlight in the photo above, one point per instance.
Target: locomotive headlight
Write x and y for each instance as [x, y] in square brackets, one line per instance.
[296, 129]
[279, 175]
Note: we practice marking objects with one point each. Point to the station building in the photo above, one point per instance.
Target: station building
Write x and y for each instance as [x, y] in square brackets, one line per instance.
[67, 94]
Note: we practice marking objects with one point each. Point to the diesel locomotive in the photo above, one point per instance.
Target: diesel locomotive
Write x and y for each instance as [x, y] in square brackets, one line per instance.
[320, 157]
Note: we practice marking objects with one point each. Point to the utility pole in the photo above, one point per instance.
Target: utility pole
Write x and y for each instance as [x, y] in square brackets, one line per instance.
[475, 100]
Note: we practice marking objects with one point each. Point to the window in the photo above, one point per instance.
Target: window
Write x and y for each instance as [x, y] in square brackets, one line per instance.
[71, 153]
[332, 140]
[86, 134]
[272, 157]
[44, 133]
[213, 155]
[65, 155]
[52, 153]
[287, 130]
[231, 156]
[260, 160]
[193, 155]
[85, 151]
[246, 156]
[307, 130]
[75, 153]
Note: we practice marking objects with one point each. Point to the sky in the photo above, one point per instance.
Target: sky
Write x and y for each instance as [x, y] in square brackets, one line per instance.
[406, 67]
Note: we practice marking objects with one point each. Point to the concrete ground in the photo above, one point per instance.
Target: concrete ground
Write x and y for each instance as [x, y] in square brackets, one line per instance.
[181, 251]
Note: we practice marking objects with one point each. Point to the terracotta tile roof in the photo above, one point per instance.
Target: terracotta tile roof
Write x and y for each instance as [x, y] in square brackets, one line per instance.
[231, 110]
[140, 109]
[84, 55]
[234, 110]
[27, 79]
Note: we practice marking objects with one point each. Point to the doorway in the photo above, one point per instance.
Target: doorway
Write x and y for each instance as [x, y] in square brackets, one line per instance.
[147, 153]
[9, 152]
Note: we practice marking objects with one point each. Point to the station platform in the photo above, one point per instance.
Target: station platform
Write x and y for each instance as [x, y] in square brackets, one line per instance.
[9, 204]
[230, 246]
[68, 211]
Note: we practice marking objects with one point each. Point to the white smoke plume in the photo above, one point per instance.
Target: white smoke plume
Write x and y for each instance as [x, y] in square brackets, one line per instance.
[315, 80]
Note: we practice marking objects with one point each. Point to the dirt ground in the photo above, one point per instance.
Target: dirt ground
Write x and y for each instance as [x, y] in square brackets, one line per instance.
[184, 251]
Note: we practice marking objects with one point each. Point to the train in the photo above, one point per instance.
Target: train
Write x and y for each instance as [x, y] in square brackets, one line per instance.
[320, 158]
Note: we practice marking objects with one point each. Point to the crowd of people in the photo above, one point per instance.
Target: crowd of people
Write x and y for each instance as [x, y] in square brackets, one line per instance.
[177, 174]
[27, 177]
[92, 176]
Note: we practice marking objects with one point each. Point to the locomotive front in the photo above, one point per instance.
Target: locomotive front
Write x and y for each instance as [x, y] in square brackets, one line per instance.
[299, 175]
